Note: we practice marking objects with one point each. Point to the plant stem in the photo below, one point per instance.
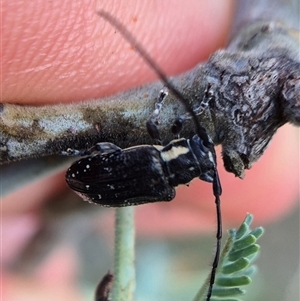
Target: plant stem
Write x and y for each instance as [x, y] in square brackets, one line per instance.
[124, 272]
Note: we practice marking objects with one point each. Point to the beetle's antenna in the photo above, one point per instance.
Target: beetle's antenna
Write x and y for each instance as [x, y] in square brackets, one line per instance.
[217, 190]
[144, 54]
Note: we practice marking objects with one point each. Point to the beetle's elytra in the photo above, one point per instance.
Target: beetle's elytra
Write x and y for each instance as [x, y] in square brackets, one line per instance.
[113, 177]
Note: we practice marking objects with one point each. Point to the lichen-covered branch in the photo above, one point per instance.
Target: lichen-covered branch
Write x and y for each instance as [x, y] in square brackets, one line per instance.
[31, 131]
[253, 88]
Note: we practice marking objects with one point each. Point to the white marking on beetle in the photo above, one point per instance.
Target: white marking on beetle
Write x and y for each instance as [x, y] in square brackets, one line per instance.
[73, 175]
[157, 165]
[211, 158]
[174, 153]
[87, 186]
[99, 196]
[158, 147]
[87, 166]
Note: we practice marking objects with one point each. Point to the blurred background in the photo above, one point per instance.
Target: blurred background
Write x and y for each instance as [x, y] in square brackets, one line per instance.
[71, 249]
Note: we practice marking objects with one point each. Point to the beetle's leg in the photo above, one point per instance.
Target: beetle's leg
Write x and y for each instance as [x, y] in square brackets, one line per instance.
[99, 148]
[102, 148]
[152, 122]
[71, 152]
[209, 95]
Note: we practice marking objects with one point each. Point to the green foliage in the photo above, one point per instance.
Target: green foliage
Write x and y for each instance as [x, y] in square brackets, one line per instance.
[235, 268]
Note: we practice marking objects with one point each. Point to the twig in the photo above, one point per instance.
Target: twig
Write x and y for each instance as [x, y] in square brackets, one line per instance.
[253, 87]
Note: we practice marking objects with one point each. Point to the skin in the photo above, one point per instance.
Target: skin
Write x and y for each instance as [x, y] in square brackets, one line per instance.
[69, 54]
[55, 52]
